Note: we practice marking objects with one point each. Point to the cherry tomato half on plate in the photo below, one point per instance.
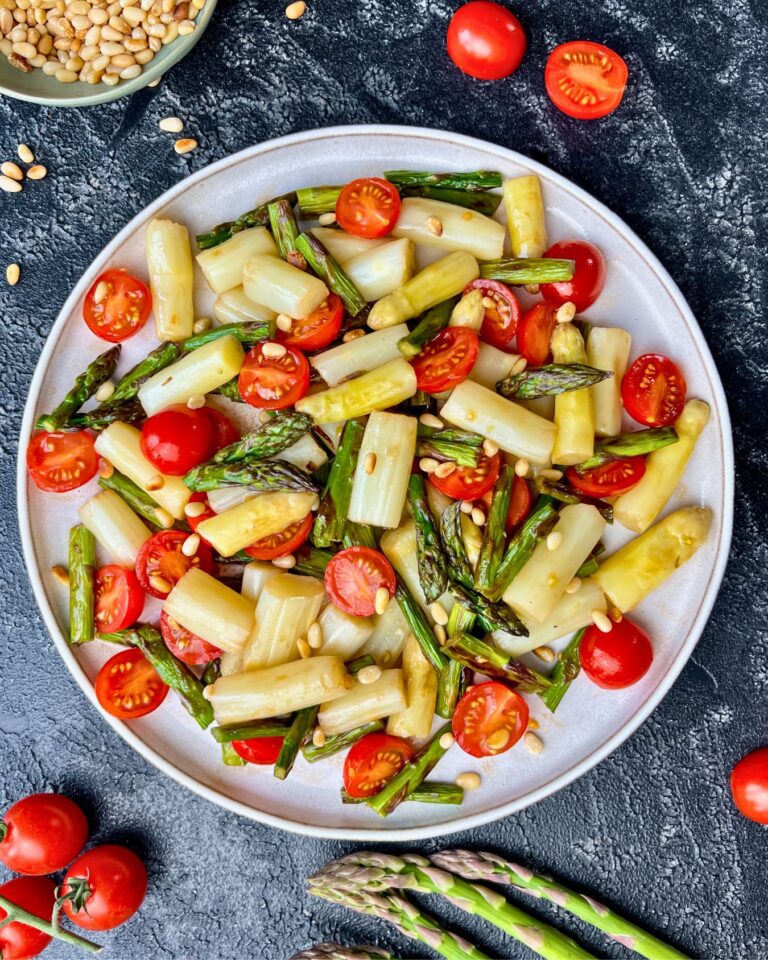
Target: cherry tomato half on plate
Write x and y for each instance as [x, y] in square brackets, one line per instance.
[273, 383]
[128, 686]
[178, 439]
[122, 309]
[588, 279]
[161, 564]
[104, 887]
[224, 431]
[618, 658]
[119, 598]
[485, 40]
[317, 330]
[446, 360]
[368, 207]
[42, 834]
[489, 719]
[259, 750]
[609, 479]
[194, 522]
[373, 761]
[535, 332]
[185, 645]
[519, 503]
[37, 895]
[353, 577]
[469, 483]
[653, 390]
[585, 80]
[283, 542]
[749, 785]
[501, 319]
[59, 461]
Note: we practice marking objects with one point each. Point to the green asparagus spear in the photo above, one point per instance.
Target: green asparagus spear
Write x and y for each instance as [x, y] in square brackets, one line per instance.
[339, 742]
[494, 534]
[327, 267]
[230, 390]
[459, 569]
[428, 792]
[13, 913]
[566, 670]
[522, 270]
[316, 200]
[249, 731]
[359, 663]
[565, 494]
[336, 951]
[485, 658]
[301, 728]
[230, 757]
[485, 203]
[247, 333]
[494, 614]
[629, 445]
[449, 444]
[433, 573]
[476, 181]
[267, 440]
[211, 673]
[311, 562]
[263, 475]
[138, 500]
[428, 327]
[588, 568]
[412, 775]
[259, 217]
[85, 385]
[450, 680]
[128, 387]
[551, 380]
[331, 518]
[519, 549]
[284, 229]
[419, 625]
[82, 564]
[126, 411]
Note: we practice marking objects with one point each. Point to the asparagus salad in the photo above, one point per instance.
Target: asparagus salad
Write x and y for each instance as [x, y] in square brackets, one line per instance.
[380, 562]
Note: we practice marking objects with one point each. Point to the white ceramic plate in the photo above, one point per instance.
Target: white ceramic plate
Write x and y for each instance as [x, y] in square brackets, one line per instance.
[590, 723]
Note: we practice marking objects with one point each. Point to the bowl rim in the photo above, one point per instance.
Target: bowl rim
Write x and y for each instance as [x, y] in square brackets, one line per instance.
[566, 777]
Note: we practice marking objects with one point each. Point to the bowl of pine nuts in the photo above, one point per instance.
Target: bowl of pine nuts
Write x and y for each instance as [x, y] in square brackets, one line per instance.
[77, 53]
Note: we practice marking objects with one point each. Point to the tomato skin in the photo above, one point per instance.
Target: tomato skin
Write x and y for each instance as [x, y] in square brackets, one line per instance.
[161, 556]
[59, 461]
[43, 833]
[185, 645]
[37, 895]
[609, 479]
[194, 522]
[581, 70]
[500, 321]
[519, 504]
[484, 711]
[373, 761]
[262, 751]
[588, 279]
[119, 598]
[653, 390]
[535, 332]
[354, 575]
[368, 207]
[224, 431]
[749, 785]
[446, 360]
[616, 659]
[114, 883]
[485, 40]
[273, 383]
[178, 439]
[469, 483]
[124, 309]
[317, 330]
[128, 686]
[282, 543]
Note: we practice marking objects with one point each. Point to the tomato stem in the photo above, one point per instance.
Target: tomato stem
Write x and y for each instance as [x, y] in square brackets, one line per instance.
[16, 913]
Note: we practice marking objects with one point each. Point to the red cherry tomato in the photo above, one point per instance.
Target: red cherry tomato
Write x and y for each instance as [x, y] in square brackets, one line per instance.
[489, 719]
[104, 887]
[128, 686]
[161, 563]
[485, 40]
[500, 320]
[282, 543]
[354, 575]
[618, 658]
[224, 431]
[535, 332]
[178, 439]
[588, 279]
[42, 833]
[194, 522]
[273, 383]
[59, 461]
[653, 390]
[317, 330]
[37, 895]
[260, 750]
[446, 360]
[185, 645]
[609, 479]
[519, 504]
[119, 598]
[123, 308]
[585, 80]
[373, 761]
[749, 785]
[368, 207]
[469, 483]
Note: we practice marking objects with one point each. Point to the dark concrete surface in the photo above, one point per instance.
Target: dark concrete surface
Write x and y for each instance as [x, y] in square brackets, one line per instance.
[684, 162]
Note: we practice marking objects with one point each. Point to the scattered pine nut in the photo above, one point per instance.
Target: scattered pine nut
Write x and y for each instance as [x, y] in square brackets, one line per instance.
[490, 448]
[447, 740]
[445, 469]
[468, 781]
[428, 464]
[12, 170]
[352, 335]
[554, 475]
[574, 586]
[155, 83]
[547, 654]
[61, 574]
[185, 145]
[440, 634]
[478, 516]
[196, 509]
[435, 226]
[190, 546]
[518, 366]
[532, 288]
[25, 154]
[601, 621]
[315, 635]
[430, 420]
[101, 291]
[498, 740]
[370, 463]
[566, 312]
[326, 219]
[381, 601]
[295, 11]
[318, 737]
[9, 186]
[196, 401]
[284, 322]
[38, 172]
[273, 350]
[285, 563]
[369, 675]
[305, 651]
[533, 724]
[154, 483]
[522, 467]
[160, 584]
[438, 612]
[466, 506]
[202, 324]
[12, 274]
[104, 392]
[105, 469]
[533, 743]
[171, 124]
[554, 540]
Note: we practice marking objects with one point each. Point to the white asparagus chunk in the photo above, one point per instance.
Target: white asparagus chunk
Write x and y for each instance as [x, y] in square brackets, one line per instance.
[390, 632]
[306, 454]
[229, 664]
[421, 692]
[469, 312]
[116, 527]
[378, 272]
[608, 349]
[171, 279]
[380, 483]
[282, 287]
[524, 207]
[287, 605]
[223, 265]
[364, 703]
[380, 388]
[447, 226]
[492, 365]
[574, 413]
[343, 246]
[225, 498]
[255, 519]
[234, 307]
[212, 610]
[399, 547]
[343, 635]
[360, 355]
[256, 576]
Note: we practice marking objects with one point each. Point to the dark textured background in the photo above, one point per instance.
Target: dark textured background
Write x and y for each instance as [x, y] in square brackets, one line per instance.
[684, 162]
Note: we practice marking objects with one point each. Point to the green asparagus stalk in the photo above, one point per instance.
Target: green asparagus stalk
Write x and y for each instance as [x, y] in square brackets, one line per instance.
[211, 673]
[429, 792]
[566, 670]
[259, 217]
[522, 270]
[472, 865]
[127, 411]
[565, 494]
[459, 569]
[316, 200]
[85, 385]
[339, 742]
[230, 390]
[311, 562]
[419, 625]
[230, 757]
[359, 663]
[433, 572]
[450, 680]
[485, 203]
[629, 445]
[428, 327]
[494, 534]
[588, 568]
[449, 444]
[247, 333]
[301, 728]
[551, 380]
[128, 387]
[519, 549]
[336, 951]
[138, 500]
[284, 229]
[476, 181]
[82, 570]
[328, 527]
[412, 775]
[266, 440]
[331, 272]
[16, 914]
[485, 658]
[495, 615]
[249, 731]
[261, 475]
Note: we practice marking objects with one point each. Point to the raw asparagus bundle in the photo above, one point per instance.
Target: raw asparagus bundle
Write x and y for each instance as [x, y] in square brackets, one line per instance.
[566, 670]
[426, 329]
[128, 387]
[433, 572]
[246, 333]
[336, 951]
[331, 272]
[485, 658]
[128, 411]
[269, 439]
[85, 385]
[551, 380]
[474, 181]
[261, 475]
[524, 270]
[82, 569]
[259, 217]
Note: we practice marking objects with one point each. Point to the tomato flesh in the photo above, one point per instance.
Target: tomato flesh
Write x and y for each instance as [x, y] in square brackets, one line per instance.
[43, 833]
[588, 279]
[609, 479]
[104, 887]
[653, 390]
[185, 645]
[616, 659]
[282, 543]
[37, 895]
[259, 750]
[178, 439]
[123, 307]
[317, 330]
[368, 207]
[59, 461]
[489, 719]
[485, 40]
[353, 577]
[469, 483]
[585, 80]
[502, 317]
[519, 504]
[119, 598]
[161, 564]
[749, 785]
[273, 383]
[128, 686]
[535, 332]
[446, 360]
[373, 761]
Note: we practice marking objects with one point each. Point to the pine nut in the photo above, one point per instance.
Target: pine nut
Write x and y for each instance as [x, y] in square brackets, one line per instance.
[326, 219]
[305, 651]
[61, 574]
[195, 509]
[65, 76]
[12, 170]
[318, 737]
[160, 584]
[12, 274]
[370, 463]
[201, 325]
[171, 124]
[105, 469]
[369, 675]
[273, 350]
[295, 11]
[478, 516]
[155, 483]
[196, 402]
[9, 186]
[186, 27]
[315, 635]
[438, 613]
[430, 420]
[130, 73]
[447, 740]
[185, 145]
[466, 506]
[25, 49]
[285, 563]
[553, 475]
[435, 226]
[190, 545]
[381, 601]
[440, 634]
[104, 392]
[518, 366]
[352, 335]
[284, 322]
[428, 464]
[566, 312]
[601, 621]
[488, 302]
[574, 585]
[490, 448]
[522, 467]
[554, 540]
[547, 654]
[468, 781]
[532, 288]
[445, 469]
[498, 740]
[533, 743]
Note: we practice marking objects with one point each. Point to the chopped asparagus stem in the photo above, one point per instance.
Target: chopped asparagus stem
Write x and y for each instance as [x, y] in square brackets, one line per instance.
[433, 572]
[85, 385]
[566, 670]
[450, 681]
[249, 731]
[629, 445]
[82, 562]
[519, 549]
[494, 533]
[355, 666]
[521, 271]
[550, 381]
[341, 741]
[259, 217]
[230, 757]
[419, 625]
[428, 792]
[230, 390]
[331, 518]
[301, 728]
[565, 494]
[247, 333]
[495, 615]
[284, 228]
[316, 200]
[459, 569]
[311, 562]
[261, 475]
[428, 327]
[485, 203]
[331, 272]
[269, 439]
[477, 180]
[411, 776]
[485, 658]
[157, 360]
[137, 499]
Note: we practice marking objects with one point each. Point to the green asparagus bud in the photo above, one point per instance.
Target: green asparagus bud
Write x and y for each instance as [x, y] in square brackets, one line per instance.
[551, 380]
[331, 272]
[419, 625]
[261, 475]
[85, 385]
[269, 439]
[82, 564]
[247, 333]
[157, 360]
[522, 270]
[453, 542]
[629, 445]
[433, 573]
[127, 411]
[538, 524]
[559, 491]
[497, 615]
[428, 327]
[284, 229]
[316, 200]
[494, 534]
[476, 181]
[259, 217]
[331, 519]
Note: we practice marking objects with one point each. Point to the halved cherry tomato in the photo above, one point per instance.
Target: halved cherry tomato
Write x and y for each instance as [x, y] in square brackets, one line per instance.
[469, 483]
[282, 543]
[585, 80]
[618, 658]
[59, 461]
[42, 833]
[653, 390]
[519, 504]
[368, 207]
[224, 431]
[123, 308]
[128, 686]
[485, 40]
[119, 598]
[354, 575]
[317, 330]
[161, 563]
[273, 383]
[609, 479]
[184, 644]
[501, 320]
[489, 719]
[373, 761]
[446, 360]
[588, 279]
[194, 522]
[178, 439]
[535, 332]
[104, 887]
[261, 750]
[37, 895]
[749, 785]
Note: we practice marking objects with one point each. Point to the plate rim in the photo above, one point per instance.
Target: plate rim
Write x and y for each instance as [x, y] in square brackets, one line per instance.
[566, 777]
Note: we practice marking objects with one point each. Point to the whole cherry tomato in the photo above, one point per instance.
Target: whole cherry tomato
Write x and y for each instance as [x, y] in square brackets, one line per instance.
[42, 833]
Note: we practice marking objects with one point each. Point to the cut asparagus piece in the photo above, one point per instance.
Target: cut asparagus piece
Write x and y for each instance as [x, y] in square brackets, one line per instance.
[412, 775]
[574, 411]
[344, 246]
[269, 439]
[171, 279]
[247, 333]
[426, 329]
[520, 548]
[128, 387]
[343, 634]
[259, 217]
[379, 389]
[359, 356]
[314, 201]
[261, 475]
[526, 222]
[116, 527]
[550, 380]
[445, 226]
[387, 640]
[127, 411]
[415, 720]
[469, 312]
[256, 518]
[566, 670]
[138, 500]
[383, 469]
[521, 271]
[633, 444]
[493, 615]
[482, 657]
[332, 745]
[431, 791]
[365, 702]
[284, 228]
[82, 571]
[433, 569]
[451, 684]
[608, 349]
[451, 537]
[210, 609]
[484, 203]
[86, 384]
[288, 605]
[492, 364]
[494, 533]
[233, 306]
[331, 272]
[457, 445]
[223, 266]
[476, 180]
[332, 516]
[566, 494]
[249, 731]
[282, 287]
[301, 728]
